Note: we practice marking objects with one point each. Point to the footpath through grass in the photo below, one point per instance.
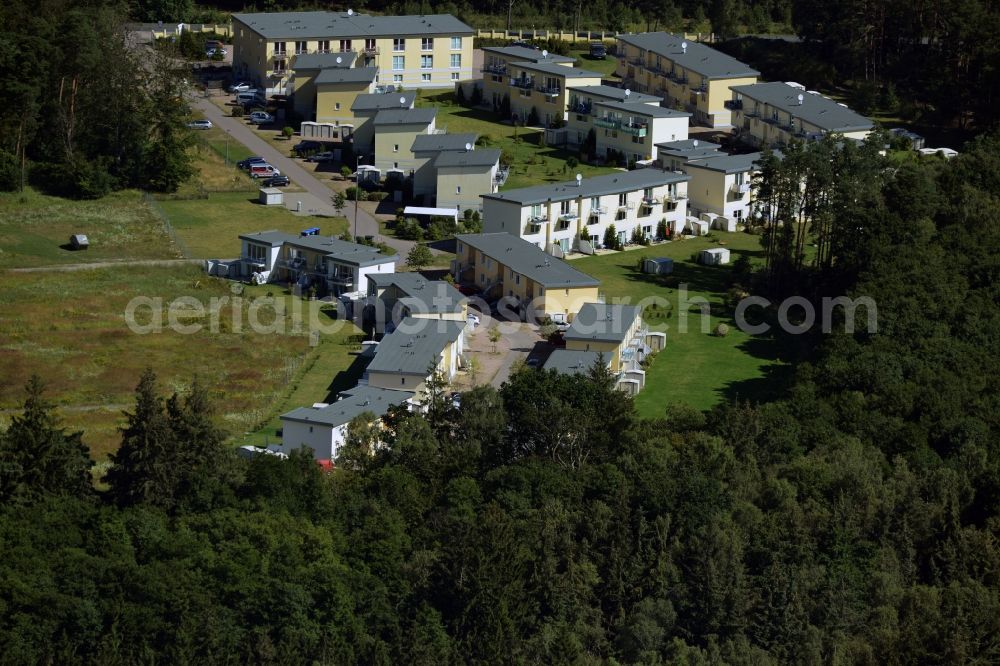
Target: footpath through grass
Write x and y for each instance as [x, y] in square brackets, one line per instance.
[696, 367]
[531, 162]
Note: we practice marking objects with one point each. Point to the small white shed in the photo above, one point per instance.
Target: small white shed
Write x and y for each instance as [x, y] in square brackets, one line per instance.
[717, 256]
[271, 196]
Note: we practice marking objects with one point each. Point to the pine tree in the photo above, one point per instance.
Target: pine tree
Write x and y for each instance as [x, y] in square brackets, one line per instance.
[201, 454]
[145, 467]
[40, 458]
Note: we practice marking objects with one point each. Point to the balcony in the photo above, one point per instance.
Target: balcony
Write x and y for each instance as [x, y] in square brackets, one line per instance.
[372, 51]
[608, 123]
[628, 205]
[342, 279]
[682, 79]
[752, 113]
[635, 129]
[279, 55]
[651, 201]
[549, 91]
[740, 188]
[579, 107]
[734, 104]
[495, 68]
[637, 62]
[524, 83]
[569, 216]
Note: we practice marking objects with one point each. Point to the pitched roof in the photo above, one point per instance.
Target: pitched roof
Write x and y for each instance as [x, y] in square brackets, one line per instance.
[415, 345]
[528, 259]
[341, 251]
[643, 109]
[556, 70]
[420, 295]
[612, 183]
[525, 53]
[602, 322]
[421, 116]
[319, 25]
[485, 157]
[438, 142]
[613, 93]
[323, 60]
[572, 362]
[727, 163]
[352, 403]
[379, 101]
[816, 110]
[698, 58]
[332, 75]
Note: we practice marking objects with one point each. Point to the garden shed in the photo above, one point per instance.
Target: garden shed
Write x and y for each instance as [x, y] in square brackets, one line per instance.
[271, 196]
[716, 256]
[79, 242]
[658, 266]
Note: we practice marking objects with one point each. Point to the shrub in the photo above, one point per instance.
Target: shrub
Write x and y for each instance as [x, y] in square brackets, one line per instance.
[661, 230]
[236, 111]
[572, 162]
[721, 331]
[611, 238]
[476, 98]
[533, 117]
[346, 172]
[287, 132]
[10, 176]
[460, 95]
[376, 196]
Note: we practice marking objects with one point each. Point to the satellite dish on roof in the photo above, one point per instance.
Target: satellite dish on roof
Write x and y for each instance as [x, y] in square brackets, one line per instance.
[801, 97]
[627, 92]
[402, 100]
[350, 12]
[695, 143]
[579, 179]
[339, 60]
[684, 47]
[468, 147]
[545, 54]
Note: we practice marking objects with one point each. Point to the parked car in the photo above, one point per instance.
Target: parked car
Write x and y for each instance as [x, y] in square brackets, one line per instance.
[205, 124]
[598, 50]
[276, 181]
[250, 97]
[533, 362]
[240, 86]
[263, 171]
[217, 51]
[473, 320]
[250, 161]
[321, 157]
[456, 400]
[261, 118]
[306, 146]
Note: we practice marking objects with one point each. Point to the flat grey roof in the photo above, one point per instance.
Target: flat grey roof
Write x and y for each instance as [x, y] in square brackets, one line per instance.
[612, 183]
[571, 362]
[484, 157]
[438, 142]
[613, 93]
[727, 163]
[338, 250]
[524, 53]
[414, 345]
[423, 296]
[346, 75]
[379, 101]
[699, 58]
[352, 403]
[313, 25]
[528, 259]
[602, 322]
[816, 110]
[688, 144]
[420, 116]
[556, 70]
[324, 60]
[643, 109]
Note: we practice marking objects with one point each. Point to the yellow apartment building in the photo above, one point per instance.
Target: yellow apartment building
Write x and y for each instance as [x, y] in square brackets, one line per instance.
[464, 177]
[772, 114]
[689, 76]
[430, 51]
[407, 357]
[426, 148]
[501, 265]
[395, 132]
[542, 86]
[336, 90]
[303, 82]
[365, 108]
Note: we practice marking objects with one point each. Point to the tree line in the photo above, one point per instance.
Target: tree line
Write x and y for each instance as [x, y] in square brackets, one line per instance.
[86, 111]
[853, 520]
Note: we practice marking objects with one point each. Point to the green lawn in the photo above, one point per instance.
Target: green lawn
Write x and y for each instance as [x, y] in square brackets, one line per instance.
[210, 228]
[695, 368]
[35, 230]
[70, 328]
[532, 163]
[605, 67]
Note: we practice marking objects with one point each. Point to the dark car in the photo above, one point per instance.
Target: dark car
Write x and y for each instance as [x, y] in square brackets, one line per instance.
[276, 181]
[598, 50]
[306, 147]
[322, 157]
[250, 161]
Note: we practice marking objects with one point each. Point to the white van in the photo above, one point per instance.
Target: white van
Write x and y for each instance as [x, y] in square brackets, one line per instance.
[250, 97]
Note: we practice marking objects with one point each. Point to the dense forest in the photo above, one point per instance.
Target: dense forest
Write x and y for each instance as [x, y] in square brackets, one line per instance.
[855, 520]
[84, 112]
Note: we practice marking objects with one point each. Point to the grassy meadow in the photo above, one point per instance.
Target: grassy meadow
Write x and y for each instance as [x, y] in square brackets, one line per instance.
[696, 368]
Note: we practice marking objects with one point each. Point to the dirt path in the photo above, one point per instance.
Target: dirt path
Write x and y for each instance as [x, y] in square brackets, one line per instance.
[105, 264]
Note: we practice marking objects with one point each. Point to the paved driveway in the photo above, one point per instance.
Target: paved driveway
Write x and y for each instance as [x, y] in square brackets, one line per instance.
[318, 194]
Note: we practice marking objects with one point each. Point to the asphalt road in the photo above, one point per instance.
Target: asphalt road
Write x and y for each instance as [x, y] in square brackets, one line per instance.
[321, 203]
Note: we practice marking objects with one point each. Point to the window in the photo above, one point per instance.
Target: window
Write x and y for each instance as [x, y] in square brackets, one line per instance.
[456, 43]
[395, 165]
[595, 202]
[280, 65]
[324, 46]
[454, 76]
[456, 60]
[517, 279]
[336, 106]
[426, 62]
[370, 45]
[425, 77]
[564, 207]
[398, 44]
[426, 43]
[402, 380]
[623, 199]
[536, 210]
[398, 62]
[345, 45]
[395, 147]
[256, 252]
[310, 428]
[397, 78]
[279, 48]
[301, 47]
[458, 189]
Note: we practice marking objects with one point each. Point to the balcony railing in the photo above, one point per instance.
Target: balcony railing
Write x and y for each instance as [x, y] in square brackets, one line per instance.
[371, 51]
[571, 216]
[524, 83]
[495, 68]
[734, 104]
[635, 129]
[628, 205]
[677, 78]
[740, 188]
[608, 123]
[598, 210]
[277, 55]
[752, 113]
[637, 62]
[651, 201]
[345, 279]
[579, 107]
[551, 91]
[256, 261]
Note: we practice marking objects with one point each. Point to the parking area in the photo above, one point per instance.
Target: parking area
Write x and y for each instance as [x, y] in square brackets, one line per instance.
[518, 342]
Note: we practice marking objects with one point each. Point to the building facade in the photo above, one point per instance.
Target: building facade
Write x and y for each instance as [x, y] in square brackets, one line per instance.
[722, 186]
[689, 76]
[395, 132]
[430, 51]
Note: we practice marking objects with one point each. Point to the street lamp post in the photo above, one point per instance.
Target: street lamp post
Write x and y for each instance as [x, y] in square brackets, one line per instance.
[357, 187]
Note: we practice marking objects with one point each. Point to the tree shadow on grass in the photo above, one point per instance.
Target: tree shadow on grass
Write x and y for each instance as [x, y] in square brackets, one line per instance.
[347, 379]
